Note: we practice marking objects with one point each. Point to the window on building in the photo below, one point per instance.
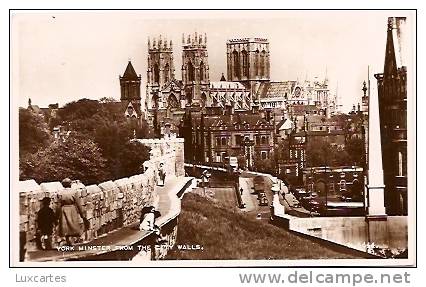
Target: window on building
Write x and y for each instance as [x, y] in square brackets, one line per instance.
[238, 140]
[263, 64]
[264, 140]
[400, 165]
[264, 154]
[236, 60]
[156, 74]
[191, 76]
[166, 73]
[256, 63]
[342, 185]
[245, 64]
[217, 141]
[224, 141]
[202, 72]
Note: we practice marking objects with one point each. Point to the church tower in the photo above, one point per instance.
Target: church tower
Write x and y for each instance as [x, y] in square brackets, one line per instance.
[160, 71]
[130, 85]
[248, 62]
[195, 69]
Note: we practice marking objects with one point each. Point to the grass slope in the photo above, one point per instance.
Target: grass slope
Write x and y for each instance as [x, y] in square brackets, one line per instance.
[226, 233]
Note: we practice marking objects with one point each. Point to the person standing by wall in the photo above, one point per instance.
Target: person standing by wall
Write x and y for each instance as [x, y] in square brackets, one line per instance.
[69, 213]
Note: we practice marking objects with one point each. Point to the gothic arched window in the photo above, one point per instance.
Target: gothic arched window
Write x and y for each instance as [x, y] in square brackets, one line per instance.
[156, 74]
[263, 64]
[203, 99]
[202, 71]
[256, 63]
[236, 58]
[172, 101]
[245, 64]
[166, 73]
[190, 72]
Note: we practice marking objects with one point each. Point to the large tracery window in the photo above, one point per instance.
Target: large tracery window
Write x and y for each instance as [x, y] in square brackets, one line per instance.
[166, 73]
[256, 63]
[190, 72]
[156, 74]
[202, 72]
[245, 64]
[172, 101]
[236, 64]
[263, 64]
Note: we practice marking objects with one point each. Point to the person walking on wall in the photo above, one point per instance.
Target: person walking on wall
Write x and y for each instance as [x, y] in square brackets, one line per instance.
[46, 221]
[69, 213]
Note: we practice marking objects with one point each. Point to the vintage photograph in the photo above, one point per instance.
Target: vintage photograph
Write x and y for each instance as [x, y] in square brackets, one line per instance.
[213, 138]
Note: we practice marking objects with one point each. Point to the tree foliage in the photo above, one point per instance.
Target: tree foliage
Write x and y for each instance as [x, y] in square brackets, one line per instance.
[78, 158]
[103, 125]
[264, 165]
[33, 132]
[319, 152]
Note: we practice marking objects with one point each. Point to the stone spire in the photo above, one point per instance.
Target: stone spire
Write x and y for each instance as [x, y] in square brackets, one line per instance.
[375, 184]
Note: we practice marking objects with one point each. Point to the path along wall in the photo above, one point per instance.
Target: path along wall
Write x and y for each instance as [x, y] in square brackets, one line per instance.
[108, 205]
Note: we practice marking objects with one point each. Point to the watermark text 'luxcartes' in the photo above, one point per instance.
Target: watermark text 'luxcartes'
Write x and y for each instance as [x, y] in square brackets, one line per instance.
[49, 278]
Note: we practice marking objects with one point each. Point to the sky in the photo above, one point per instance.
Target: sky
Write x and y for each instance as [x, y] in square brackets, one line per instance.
[58, 57]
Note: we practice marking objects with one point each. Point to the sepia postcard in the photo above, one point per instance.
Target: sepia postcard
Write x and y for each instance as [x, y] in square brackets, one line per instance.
[213, 138]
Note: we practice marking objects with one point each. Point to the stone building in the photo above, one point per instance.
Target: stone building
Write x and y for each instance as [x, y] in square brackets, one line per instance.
[336, 182]
[130, 88]
[218, 134]
[392, 90]
[284, 95]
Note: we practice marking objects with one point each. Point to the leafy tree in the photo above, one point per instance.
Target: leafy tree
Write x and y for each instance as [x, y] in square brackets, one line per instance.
[103, 123]
[33, 132]
[356, 151]
[242, 161]
[77, 157]
[131, 159]
[283, 148]
[319, 152]
[264, 165]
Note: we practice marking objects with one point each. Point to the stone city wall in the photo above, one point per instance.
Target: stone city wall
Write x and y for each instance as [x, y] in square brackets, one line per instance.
[108, 205]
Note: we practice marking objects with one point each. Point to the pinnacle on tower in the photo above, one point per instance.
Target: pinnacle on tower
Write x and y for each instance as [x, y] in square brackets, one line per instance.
[149, 43]
[364, 88]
